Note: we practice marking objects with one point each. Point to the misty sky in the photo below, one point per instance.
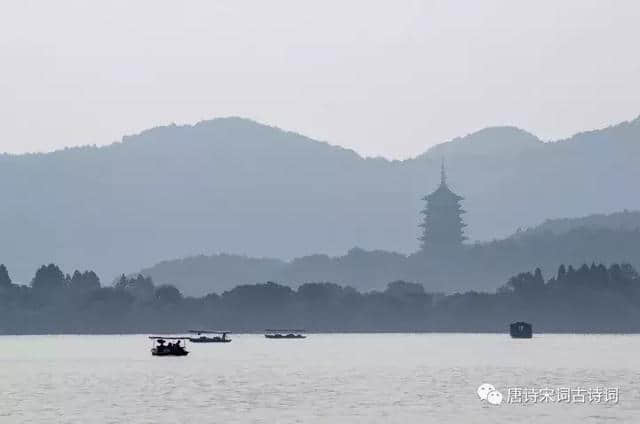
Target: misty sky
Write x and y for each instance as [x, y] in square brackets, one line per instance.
[384, 78]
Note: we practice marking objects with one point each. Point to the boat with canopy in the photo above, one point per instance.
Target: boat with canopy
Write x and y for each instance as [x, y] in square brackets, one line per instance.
[284, 333]
[163, 346]
[221, 336]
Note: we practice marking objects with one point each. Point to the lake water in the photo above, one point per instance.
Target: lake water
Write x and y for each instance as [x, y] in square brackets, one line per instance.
[337, 378]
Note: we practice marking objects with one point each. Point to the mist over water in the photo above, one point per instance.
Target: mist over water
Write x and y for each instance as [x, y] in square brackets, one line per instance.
[357, 378]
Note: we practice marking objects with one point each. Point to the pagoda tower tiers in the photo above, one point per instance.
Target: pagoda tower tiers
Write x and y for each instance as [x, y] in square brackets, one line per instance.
[442, 226]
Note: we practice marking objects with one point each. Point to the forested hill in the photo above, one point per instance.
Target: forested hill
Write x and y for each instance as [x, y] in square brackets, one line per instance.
[233, 185]
[625, 220]
[482, 266]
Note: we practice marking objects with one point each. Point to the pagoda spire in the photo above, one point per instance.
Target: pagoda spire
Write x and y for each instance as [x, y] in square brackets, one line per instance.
[443, 173]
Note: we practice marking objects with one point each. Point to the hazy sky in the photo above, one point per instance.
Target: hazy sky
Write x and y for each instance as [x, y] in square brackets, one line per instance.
[384, 78]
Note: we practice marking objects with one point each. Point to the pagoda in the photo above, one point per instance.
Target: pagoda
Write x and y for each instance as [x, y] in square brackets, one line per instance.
[442, 226]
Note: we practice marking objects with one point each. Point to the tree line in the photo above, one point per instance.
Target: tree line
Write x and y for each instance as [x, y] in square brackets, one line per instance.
[591, 298]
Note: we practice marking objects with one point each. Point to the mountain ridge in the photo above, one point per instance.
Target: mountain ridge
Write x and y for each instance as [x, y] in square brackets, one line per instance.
[466, 139]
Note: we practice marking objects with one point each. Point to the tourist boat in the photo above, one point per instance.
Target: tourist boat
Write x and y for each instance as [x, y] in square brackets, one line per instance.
[220, 338]
[284, 334]
[521, 330]
[161, 346]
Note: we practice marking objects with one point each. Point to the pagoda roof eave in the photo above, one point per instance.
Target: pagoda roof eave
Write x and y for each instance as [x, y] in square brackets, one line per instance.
[443, 191]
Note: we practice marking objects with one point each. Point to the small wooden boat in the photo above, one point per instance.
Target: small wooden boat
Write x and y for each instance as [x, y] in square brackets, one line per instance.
[163, 348]
[521, 330]
[220, 338]
[284, 334]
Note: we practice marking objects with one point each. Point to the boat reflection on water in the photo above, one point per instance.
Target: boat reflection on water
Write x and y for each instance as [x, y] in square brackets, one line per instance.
[163, 347]
[284, 334]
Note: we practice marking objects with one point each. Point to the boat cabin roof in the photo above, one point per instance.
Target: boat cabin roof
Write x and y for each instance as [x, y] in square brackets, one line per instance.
[283, 330]
[168, 338]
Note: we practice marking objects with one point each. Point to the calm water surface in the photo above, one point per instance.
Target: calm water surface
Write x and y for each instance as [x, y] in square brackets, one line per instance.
[354, 378]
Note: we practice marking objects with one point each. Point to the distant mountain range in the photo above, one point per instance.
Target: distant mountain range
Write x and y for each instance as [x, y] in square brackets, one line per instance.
[233, 185]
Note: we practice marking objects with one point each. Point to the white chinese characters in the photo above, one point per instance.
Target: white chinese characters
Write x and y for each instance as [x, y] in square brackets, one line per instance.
[592, 395]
